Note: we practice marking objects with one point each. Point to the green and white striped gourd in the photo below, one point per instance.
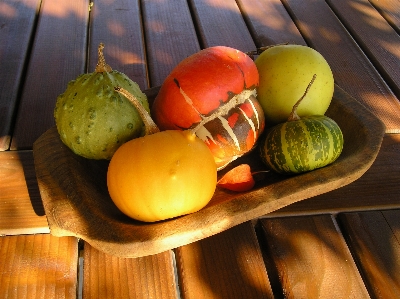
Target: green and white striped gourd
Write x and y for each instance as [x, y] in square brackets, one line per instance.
[302, 144]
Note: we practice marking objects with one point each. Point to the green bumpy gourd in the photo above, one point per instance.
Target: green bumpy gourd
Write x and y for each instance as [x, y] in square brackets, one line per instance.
[302, 145]
[93, 119]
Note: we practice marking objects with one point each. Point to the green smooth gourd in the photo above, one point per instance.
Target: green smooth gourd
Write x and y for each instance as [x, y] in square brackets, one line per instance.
[93, 119]
[302, 144]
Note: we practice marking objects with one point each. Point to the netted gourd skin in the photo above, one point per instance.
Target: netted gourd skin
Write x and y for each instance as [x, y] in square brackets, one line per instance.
[93, 120]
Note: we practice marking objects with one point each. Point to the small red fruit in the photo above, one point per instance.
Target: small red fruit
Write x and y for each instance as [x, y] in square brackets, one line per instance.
[238, 179]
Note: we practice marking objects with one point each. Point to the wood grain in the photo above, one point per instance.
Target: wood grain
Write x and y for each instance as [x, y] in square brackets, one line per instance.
[311, 258]
[220, 23]
[374, 35]
[76, 200]
[269, 23]
[228, 265]
[118, 25]
[389, 10]
[352, 70]
[170, 36]
[38, 266]
[374, 238]
[21, 207]
[58, 56]
[108, 276]
[17, 20]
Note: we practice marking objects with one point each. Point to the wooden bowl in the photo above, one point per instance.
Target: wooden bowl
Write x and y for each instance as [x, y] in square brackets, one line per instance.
[76, 200]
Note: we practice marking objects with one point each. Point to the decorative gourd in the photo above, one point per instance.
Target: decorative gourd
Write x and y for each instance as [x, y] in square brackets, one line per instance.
[284, 70]
[93, 120]
[302, 144]
[215, 91]
[161, 175]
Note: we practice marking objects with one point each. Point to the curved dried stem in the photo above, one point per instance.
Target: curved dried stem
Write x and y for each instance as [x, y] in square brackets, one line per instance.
[262, 49]
[293, 115]
[150, 125]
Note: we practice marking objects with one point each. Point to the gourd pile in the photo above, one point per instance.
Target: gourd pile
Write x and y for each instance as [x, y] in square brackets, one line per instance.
[211, 109]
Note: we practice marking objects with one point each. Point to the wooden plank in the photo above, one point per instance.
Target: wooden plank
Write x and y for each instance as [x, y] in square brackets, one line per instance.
[170, 36]
[58, 56]
[351, 68]
[311, 258]
[17, 20]
[227, 265]
[220, 22]
[390, 11]
[21, 208]
[38, 266]
[374, 35]
[374, 238]
[269, 23]
[118, 25]
[382, 178]
[107, 276]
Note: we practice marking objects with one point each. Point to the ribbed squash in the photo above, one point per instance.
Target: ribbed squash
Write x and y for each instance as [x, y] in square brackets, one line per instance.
[213, 90]
[302, 145]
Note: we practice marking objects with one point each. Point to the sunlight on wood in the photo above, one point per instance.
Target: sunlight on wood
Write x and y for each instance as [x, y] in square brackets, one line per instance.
[156, 26]
[7, 10]
[222, 4]
[16, 211]
[395, 243]
[194, 281]
[164, 57]
[38, 266]
[190, 236]
[389, 115]
[124, 57]
[371, 16]
[392, 48]
[65, 9]
[329, 35]
[312, 258]
[247, 258]
[116, 28]
[266, 15]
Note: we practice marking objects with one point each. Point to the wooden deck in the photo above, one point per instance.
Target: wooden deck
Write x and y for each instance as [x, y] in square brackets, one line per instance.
[342, 244]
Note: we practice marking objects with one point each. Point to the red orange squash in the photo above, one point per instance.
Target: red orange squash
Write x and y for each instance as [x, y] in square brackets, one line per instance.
[213, 92]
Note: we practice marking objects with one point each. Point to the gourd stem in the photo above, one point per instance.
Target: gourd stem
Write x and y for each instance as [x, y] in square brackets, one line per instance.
[293, 115]
[258, 51]
[102, 66]
[149, 124]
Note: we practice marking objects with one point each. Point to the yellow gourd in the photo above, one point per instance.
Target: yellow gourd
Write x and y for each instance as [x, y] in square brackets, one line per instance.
[161, 175]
